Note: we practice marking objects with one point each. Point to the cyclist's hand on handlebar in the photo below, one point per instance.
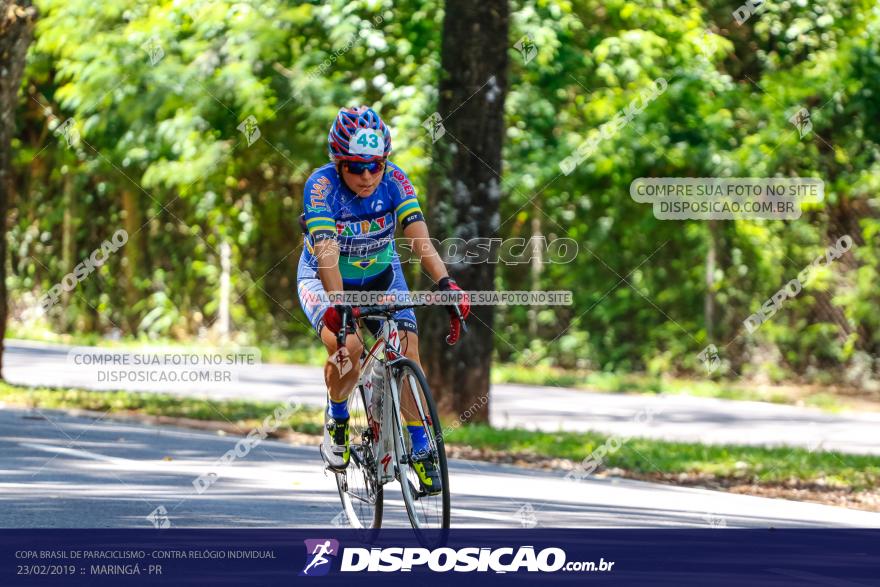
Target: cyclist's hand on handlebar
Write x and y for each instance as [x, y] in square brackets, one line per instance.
[339, 320]
[333, 317]
[457, 312]
[464, 304]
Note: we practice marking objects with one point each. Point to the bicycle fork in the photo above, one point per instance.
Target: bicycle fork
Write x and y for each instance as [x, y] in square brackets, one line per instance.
[382, 405]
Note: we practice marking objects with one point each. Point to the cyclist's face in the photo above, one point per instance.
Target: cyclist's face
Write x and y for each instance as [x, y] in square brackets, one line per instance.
[364, 184]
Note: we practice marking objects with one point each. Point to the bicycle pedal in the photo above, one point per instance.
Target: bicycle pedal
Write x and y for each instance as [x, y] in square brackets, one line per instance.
[327, 465]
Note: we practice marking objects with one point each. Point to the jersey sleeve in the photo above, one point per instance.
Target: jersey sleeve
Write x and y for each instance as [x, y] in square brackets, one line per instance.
[320, 221]
[403, 198]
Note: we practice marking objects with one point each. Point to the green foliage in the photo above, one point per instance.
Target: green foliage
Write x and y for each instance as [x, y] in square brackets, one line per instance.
[635, 383]
[746, 464]
[157, 92]
[639, 283]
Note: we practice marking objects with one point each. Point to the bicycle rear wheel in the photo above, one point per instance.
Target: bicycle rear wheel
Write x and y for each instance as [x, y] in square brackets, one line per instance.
[425, 511]
[359, 489]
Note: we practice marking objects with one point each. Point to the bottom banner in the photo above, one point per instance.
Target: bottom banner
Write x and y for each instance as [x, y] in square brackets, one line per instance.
[465, 557]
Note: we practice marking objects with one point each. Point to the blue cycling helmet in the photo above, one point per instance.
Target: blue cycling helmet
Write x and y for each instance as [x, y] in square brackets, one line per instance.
[358, 134]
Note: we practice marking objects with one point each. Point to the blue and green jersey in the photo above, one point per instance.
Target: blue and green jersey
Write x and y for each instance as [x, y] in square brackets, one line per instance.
[363, 227]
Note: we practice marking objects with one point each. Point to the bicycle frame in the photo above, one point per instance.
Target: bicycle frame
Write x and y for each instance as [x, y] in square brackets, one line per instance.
[387, 439]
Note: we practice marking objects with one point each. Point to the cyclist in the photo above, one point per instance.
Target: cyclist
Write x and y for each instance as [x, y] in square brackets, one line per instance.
[352, 206]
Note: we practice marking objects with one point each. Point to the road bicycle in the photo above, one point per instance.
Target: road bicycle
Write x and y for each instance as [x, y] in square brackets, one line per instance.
[380, 444]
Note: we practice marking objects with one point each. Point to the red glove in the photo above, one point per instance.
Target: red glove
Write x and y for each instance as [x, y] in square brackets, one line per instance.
[464, 307]
[333, 318]
[454, 331]
[464, 303]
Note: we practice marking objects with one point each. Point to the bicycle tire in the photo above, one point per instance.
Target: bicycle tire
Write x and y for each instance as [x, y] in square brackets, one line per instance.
[401, 367]
[358, 470]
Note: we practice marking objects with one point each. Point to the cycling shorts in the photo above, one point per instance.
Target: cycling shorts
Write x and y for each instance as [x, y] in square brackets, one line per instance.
[312, 296]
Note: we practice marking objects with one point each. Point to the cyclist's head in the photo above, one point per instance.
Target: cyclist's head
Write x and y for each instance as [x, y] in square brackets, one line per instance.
[359, 143]
[358, 134]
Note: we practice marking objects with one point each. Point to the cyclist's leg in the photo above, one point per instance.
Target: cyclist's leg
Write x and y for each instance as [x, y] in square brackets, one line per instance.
[340, 386]
[339, 381]
[313, 300]
[423, 461]
[409, 345]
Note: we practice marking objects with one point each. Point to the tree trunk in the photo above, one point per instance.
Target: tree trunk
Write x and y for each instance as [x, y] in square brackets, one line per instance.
[223, 311]
[464, 193]
[709, 298]
[537, 265]
[134, 255]
[16, 26]
[68, 240]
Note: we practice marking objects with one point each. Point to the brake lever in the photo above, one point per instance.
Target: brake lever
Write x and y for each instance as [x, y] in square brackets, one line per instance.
[340, 336]
[343, 361]
[464, 328]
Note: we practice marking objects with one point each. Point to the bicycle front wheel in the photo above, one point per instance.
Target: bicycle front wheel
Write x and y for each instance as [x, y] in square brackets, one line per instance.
[425, 510]
[359, 487]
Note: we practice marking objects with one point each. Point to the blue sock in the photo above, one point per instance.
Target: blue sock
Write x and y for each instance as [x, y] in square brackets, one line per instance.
[339, 410]
[419, 437]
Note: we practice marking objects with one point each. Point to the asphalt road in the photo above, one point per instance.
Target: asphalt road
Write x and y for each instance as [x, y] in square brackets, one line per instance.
[60, 471]
[673, 417]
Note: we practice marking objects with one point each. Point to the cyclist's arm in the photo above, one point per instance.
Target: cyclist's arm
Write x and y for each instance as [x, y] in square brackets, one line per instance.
[327, 255]
[410, 218]
[420, 241]
[321, 228]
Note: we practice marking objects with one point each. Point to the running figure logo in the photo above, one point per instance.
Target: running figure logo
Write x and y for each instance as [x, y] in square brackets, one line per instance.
[317, 552]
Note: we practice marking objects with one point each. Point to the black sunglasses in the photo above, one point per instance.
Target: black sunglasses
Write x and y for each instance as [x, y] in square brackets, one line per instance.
[358, 167]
